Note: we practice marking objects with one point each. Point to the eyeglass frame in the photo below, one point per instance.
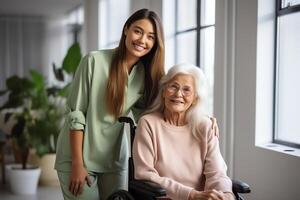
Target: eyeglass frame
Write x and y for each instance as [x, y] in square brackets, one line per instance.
[177, 87]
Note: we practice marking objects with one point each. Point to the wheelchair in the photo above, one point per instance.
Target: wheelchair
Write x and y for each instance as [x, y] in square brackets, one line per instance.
[145, 190]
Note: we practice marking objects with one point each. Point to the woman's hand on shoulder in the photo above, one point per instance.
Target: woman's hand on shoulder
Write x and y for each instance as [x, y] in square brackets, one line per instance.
[214, 126]
[78, 178]
[210, 195]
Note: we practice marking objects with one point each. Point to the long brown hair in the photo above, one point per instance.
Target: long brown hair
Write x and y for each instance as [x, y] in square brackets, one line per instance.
[153, 63]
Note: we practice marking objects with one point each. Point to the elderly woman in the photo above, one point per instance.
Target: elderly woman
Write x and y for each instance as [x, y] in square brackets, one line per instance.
[175, 146]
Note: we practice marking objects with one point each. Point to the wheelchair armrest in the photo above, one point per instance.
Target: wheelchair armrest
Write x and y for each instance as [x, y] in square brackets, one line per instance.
[240, 187]
[147, 187]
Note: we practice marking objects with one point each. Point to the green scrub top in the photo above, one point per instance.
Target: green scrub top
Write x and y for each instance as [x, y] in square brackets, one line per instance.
[105, 146]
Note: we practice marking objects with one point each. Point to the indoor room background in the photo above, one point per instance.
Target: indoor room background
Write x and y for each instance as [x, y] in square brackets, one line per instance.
[247, 48]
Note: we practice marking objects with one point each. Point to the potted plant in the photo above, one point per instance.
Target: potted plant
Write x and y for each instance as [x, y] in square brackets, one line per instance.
[38, 112]
[44, 132]
[45, 129]
[38, 115]
[22, 95]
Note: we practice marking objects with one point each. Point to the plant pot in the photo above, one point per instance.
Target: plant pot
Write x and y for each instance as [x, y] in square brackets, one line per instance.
[48, 173]
[23, 181]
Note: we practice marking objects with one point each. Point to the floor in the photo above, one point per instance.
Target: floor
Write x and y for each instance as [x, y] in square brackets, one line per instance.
[43, 193]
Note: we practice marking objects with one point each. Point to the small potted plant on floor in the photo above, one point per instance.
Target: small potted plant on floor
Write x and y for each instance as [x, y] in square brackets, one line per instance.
[23, 178]
[38, 114]
[38, 111]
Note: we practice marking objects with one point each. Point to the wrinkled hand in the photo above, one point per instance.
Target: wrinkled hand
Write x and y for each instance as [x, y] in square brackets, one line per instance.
[78, 178]
[214, 126]
[207, 195]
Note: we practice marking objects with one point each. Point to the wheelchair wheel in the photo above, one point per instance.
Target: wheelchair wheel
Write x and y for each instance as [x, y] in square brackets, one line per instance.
[120, 195]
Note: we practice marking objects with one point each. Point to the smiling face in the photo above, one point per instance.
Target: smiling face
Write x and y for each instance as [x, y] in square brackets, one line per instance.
[179, 94]
[140, 38]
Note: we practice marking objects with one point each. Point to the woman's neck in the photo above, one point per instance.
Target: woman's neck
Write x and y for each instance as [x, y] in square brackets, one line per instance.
[174, 118]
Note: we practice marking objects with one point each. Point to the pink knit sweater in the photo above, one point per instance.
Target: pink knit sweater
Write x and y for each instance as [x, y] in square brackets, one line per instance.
[170, 156]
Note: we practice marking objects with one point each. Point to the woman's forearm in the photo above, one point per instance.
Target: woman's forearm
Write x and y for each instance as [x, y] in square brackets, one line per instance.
[76, 141]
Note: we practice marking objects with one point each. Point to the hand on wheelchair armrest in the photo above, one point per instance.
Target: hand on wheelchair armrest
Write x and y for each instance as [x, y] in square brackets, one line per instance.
[147, 187]
[155, 190]
[240, 187]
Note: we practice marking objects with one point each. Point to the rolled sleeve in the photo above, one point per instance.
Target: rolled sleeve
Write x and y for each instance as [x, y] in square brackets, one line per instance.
[78, 98]
[76, 120]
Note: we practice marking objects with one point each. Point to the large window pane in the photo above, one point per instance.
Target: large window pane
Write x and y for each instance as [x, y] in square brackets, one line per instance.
[207, 52]
[118, 18]
[169, 13]
[187, 12]
[288, 87]
[186, 47]
[169, 31]
[113, 14]
[208, 12]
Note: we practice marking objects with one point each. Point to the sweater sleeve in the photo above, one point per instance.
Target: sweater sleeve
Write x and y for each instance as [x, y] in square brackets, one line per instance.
[145, 155]
[78, 97]
[214, 165]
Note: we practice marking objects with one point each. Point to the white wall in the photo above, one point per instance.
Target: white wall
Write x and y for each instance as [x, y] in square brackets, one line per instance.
[239, 62]
[90, 29]
[155, 5]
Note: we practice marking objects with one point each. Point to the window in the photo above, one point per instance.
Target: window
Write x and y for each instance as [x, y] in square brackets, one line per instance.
[113, 14]
[189, 30]
[61, 33]
[287, 70]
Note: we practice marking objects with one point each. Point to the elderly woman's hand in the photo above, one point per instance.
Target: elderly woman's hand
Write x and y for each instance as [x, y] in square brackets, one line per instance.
[210, 195]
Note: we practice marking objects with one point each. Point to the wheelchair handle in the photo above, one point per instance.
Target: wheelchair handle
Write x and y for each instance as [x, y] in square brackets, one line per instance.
[126, 120]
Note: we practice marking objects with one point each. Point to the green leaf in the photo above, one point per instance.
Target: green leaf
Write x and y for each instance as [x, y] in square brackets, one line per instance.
[14, 100]
[41, 149]
[38, 93]
[38, 80]
[72, 59]
[18, 85]
[65, 90]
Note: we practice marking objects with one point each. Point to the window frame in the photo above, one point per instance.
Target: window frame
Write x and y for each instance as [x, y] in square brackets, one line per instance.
[280, 12]
[198, 29]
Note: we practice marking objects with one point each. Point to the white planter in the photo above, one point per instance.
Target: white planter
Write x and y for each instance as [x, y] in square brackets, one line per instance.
[23, 181]
[48, 173]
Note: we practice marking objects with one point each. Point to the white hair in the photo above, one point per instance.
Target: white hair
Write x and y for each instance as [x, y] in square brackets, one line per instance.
[198, 111]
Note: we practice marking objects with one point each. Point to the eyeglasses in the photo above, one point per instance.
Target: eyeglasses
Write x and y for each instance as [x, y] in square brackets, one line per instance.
[174, 88]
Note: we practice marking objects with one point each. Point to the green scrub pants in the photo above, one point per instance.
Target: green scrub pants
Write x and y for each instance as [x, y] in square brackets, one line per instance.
[103, 185]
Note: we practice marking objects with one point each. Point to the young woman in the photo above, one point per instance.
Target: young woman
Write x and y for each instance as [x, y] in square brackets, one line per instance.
[92, 152]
